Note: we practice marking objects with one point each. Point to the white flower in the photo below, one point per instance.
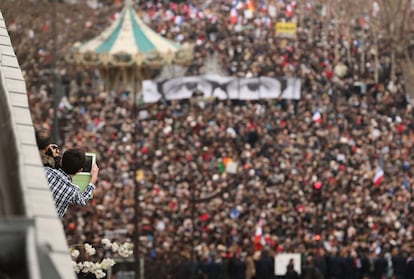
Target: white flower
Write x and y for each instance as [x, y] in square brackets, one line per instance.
[106, 242]
[125, 250]
[75, 253]
[115, 247]
[106, 263]
[96, 266]
[128, 245]
[75, 266]
[99, 273]
[89, 249]
[87, 267]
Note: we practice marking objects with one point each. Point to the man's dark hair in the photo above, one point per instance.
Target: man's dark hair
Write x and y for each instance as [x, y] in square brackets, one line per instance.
[42, 139]
[73, 160]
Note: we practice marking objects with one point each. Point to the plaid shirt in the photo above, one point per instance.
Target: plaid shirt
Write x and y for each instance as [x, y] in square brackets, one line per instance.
[64, 192]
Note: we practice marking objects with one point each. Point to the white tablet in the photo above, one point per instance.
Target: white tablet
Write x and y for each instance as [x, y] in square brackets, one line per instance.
[81, 179]
[90, 161]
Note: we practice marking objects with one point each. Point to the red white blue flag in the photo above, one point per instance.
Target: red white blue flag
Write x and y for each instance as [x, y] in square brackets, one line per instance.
[378, 177]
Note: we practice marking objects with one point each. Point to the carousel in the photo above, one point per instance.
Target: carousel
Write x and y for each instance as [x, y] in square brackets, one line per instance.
[129, 51]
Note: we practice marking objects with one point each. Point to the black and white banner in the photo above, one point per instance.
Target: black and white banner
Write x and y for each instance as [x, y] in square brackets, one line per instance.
[221, 87]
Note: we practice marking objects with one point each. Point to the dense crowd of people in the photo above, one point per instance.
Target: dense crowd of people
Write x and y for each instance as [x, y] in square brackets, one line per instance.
[180, 153]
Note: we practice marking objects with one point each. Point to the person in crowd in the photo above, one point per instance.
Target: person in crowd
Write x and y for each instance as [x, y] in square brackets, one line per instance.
[264, 266]
[380, 267]
[399, 264]
[49, 152]
[237, 266]
[187, 268]
[64, 191]
[211, 266]
[309, 269]
[250, 266]
[291, 273]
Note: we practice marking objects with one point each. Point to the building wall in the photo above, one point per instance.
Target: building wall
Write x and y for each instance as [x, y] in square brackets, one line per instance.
[24, 192]
[10, 197]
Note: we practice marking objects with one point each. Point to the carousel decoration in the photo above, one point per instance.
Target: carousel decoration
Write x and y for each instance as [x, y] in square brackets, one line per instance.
[128, 50]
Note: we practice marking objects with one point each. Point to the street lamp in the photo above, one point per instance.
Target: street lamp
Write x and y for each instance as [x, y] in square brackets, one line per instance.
[139, 271]
[55, 134]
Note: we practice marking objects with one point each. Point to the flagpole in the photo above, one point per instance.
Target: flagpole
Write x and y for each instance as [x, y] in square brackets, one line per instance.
[381, 162]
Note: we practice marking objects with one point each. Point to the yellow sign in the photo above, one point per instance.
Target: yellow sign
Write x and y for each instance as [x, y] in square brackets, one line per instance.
[286, 29]
[139, 175]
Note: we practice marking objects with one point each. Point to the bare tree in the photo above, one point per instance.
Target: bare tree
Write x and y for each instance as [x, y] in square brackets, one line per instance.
[389, 23]
[395, 24]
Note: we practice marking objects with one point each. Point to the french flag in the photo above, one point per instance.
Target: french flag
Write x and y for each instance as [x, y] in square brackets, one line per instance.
[289, 10]
[212, 19]
[169, 15]
[375, 9]
[237, 4]
[267, 21]
[194, 12]
[263, 6]
[233, 16]
[200, 15]
[406, 183]
[178, 19]
[378, 177]
[317, 117]
[259, 240]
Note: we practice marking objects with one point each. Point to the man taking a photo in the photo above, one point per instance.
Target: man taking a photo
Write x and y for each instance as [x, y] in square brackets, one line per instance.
[64, 191]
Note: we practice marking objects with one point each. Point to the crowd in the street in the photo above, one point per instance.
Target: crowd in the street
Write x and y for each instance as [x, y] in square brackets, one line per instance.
[182, 151]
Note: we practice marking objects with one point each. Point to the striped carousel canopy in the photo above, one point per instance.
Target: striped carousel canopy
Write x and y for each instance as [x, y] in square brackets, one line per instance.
[130, 42]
